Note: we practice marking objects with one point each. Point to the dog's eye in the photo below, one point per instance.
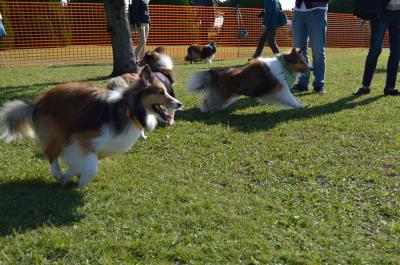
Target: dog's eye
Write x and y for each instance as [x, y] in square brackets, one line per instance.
[161, 92]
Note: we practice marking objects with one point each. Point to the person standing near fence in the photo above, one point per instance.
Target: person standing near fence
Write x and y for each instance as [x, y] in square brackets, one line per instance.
[271, 21]
[140, 19]
[310, 22]
[390, 20]
[2, 30]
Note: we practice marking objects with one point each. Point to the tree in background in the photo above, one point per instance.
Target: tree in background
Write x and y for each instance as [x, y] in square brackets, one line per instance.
[118, 27]
[341, 6]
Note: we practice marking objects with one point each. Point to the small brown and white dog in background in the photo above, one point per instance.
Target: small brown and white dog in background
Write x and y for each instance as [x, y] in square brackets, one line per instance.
[162, 67]
[265, 79]
[81, 122]
[198, 53]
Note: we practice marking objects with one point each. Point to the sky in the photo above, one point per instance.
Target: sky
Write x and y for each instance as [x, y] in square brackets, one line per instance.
[287, 4]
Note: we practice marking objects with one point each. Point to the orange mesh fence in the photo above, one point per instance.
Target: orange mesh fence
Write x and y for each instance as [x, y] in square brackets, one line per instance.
[41, 33]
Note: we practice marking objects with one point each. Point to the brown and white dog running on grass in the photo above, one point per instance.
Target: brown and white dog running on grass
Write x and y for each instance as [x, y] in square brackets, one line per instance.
[81, 122]
[265, 79]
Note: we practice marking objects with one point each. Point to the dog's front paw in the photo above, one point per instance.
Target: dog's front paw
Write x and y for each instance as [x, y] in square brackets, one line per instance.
[143, 136]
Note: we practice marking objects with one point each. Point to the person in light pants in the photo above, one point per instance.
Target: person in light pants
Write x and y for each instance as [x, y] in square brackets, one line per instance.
[140, 22]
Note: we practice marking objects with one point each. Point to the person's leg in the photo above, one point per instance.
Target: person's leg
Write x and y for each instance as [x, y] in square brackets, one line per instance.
[300, 38]
[142, 38]
[272, 41]
[375, 48]
[377, 34]
[316, 25]
[261, 43]
[394, 57]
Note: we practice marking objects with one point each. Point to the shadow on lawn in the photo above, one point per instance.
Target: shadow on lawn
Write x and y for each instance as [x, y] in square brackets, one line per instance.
[267, 120]
[31, 204]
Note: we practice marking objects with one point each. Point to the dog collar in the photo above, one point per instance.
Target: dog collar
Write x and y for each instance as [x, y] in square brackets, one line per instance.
[289, 76]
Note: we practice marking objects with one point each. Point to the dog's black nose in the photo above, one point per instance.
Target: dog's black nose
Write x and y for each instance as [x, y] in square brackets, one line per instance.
[178, 105]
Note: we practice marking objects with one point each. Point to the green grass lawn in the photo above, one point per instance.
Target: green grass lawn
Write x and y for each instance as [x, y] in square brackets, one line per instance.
[248, 185]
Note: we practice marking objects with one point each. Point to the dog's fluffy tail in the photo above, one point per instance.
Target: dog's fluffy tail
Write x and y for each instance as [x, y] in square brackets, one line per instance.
[16, 120]
[200, 81]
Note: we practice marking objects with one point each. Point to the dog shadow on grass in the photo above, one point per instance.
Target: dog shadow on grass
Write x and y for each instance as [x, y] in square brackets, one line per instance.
[27, 205]
[248, 122]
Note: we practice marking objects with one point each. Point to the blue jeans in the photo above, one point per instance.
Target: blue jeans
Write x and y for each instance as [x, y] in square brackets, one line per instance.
[390, 21]
[311, 25]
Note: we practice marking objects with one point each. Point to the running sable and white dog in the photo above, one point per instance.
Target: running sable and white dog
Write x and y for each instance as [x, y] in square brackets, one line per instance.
[266, 79]
[81, 122]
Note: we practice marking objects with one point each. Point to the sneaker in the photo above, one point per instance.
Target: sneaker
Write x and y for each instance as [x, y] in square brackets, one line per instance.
[319, 90]
[362, 91]
[391, 92]
[299, 88]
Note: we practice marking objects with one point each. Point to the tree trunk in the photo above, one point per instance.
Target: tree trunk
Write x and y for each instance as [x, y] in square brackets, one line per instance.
[118, 26]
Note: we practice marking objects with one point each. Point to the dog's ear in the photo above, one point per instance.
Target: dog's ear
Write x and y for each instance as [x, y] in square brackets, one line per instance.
[300, 51]
[292, 57]
[146, 75]
[170, 75]
[160, 49]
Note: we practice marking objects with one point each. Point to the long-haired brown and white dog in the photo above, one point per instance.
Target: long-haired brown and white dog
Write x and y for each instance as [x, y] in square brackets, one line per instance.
[82, 122]
[263, 78]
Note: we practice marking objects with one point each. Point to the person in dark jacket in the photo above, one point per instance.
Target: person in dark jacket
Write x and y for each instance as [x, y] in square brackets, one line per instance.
[310, 22]
[140, 20]
[390, 21]
[271, 23]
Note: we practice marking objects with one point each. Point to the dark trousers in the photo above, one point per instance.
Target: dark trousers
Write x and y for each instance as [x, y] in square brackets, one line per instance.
[390, 21]
[270, 36]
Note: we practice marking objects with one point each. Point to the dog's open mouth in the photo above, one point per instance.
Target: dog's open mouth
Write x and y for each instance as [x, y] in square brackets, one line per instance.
[160, 110]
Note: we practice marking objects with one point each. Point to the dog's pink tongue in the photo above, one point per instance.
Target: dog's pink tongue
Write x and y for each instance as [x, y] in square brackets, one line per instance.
[170, 117]
[134, 75]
